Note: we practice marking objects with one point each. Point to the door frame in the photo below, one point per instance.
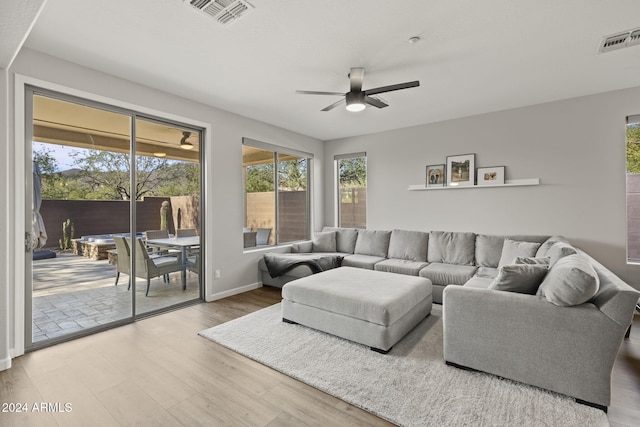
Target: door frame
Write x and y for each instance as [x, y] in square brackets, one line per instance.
[21, 175]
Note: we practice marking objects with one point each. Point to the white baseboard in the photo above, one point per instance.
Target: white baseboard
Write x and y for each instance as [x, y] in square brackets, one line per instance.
[234, 291]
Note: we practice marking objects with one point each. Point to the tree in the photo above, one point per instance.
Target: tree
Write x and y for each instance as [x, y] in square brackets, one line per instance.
[353, 172]
[633, 148]
[292, 175]
[259, 178]
[108, 174]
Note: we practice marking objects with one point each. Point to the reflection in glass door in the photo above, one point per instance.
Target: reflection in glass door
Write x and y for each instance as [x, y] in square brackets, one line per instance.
[93, 204]
[168, 254]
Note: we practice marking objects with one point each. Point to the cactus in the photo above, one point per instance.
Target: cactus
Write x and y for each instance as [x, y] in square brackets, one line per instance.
[164, 213]
[68, 231]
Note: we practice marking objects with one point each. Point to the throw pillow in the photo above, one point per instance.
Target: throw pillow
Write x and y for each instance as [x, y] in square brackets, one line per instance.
[511, 249]
[544, 248]
[324, 241]
[533, 260]
[521, 278]
[570, 281]
[559, 250]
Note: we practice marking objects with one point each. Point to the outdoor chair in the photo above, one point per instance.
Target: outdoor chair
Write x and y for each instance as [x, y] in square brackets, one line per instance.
[158, 234]
[123, 258]
[193, 264]
[186, 232]
[262, 236]
[150, 267]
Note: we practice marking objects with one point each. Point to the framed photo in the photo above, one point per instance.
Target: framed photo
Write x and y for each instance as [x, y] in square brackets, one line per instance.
[435, 176]
[461, 170]
[493, 175]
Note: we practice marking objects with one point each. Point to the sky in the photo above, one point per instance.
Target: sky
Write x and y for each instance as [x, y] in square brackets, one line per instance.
[60, 152]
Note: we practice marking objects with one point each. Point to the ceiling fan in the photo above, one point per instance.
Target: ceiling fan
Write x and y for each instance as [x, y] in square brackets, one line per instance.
[357, 99]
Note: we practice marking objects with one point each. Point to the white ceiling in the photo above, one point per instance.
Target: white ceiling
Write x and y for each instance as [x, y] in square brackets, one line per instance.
[474, 56]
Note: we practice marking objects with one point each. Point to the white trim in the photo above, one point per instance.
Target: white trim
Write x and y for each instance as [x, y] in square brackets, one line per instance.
[234, 291]
[5, 363]
[19, 184]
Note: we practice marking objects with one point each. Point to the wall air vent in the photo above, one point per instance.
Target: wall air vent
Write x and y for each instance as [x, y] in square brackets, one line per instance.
[223, 11]
[620, 40]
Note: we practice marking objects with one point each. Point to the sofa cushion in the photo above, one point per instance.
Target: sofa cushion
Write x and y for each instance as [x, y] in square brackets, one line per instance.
[302, 247]
[572, 280]
[559, 250]
[400, 266]
[448, 274]
[345, 238]
[487, 272]
[546, 245]
[511, 249]
[488, 250]
[452, 247]
[408, 245]
[521, 278]
[478, 282]
[361, 261]
[532, 260]
[324, 241]
[373, 242]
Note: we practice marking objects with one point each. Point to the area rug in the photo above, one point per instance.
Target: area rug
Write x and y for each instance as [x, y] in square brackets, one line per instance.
[409, 386]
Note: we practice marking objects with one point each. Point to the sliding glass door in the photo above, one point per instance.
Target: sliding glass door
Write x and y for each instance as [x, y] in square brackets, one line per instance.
[93, 204]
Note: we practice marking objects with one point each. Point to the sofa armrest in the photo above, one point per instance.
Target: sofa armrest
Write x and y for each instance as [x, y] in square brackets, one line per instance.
[302, 247]
[570, 350]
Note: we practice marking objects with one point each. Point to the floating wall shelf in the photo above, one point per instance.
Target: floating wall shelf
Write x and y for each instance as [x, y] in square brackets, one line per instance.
[507, 183]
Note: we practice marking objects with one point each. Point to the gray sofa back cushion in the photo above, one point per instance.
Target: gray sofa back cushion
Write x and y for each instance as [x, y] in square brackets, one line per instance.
[372, 242]
[560, 250]
[452, 247]
[410, 245]
[513, 249]
[543, 250]
[489, 247]
[324, 241]
[345, 238]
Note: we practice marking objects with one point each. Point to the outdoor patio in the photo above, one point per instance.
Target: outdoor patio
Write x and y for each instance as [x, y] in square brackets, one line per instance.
[71, 293]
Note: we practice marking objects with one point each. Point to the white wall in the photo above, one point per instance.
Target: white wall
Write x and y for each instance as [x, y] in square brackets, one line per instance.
[223, 198]
[576, 147]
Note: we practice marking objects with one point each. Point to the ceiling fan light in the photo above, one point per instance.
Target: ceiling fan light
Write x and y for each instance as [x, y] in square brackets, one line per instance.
[355, 101]
[356, 106]
[184, 144]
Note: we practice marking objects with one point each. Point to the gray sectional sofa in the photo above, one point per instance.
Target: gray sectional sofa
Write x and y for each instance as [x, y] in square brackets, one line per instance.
[530, 308]
[445, 258]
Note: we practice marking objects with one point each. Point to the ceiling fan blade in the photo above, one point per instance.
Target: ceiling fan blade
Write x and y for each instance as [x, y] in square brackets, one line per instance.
[390, 88]
[375, 102]
[356, 76]
[334, 105]
[313, 92]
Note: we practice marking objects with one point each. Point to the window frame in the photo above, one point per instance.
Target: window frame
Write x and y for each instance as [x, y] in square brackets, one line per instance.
[278, 150]
[338, 196]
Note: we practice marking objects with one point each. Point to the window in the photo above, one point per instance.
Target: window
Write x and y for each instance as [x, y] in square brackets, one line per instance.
[351, 172]
[276, 187]
[633, 189]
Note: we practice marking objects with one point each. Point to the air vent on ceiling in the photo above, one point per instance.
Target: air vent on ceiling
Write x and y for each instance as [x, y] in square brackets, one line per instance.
[620, 40]
[223, 11]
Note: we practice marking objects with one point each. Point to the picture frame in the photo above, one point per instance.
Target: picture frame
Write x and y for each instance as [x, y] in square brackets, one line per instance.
[436, 176]
[492, 175]
[461, 170]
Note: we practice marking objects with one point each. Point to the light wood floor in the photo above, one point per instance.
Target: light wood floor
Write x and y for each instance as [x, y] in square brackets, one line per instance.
[158, 371]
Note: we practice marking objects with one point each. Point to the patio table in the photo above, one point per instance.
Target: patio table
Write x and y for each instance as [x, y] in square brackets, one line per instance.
[182, 243]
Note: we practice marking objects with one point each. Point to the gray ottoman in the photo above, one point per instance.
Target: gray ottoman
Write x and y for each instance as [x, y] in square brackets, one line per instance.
[369, 307]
